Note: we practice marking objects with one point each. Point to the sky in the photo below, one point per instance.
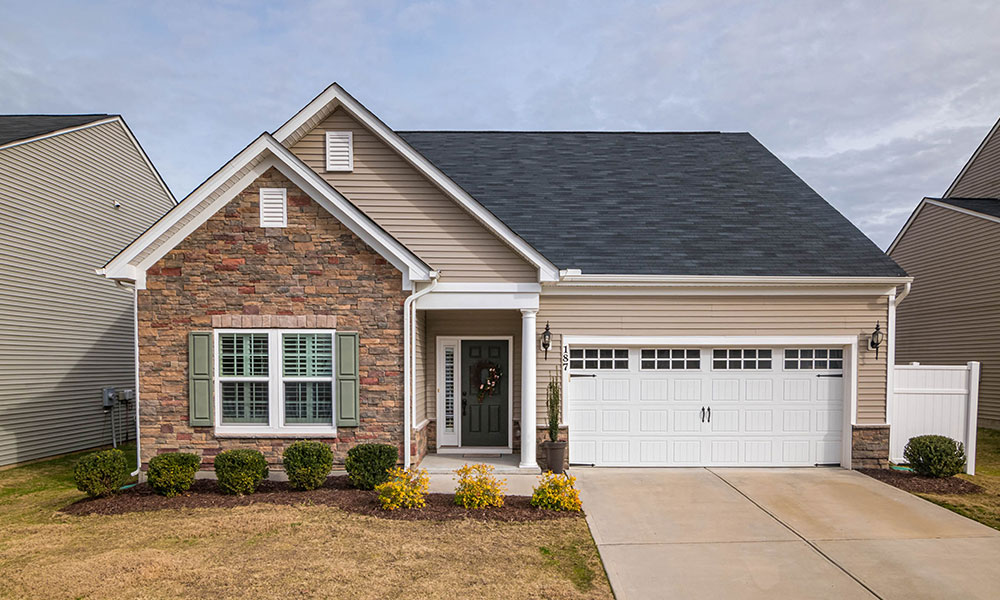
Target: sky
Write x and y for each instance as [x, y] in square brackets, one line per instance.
[874, 104]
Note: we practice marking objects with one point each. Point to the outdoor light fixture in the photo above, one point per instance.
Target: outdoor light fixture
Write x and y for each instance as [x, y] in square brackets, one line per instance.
[546, 339]
[876, 339]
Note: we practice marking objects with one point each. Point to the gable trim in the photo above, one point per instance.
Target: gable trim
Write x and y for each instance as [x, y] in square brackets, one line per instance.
[547, 271]
[938, 203]
[989, 136]
[263, 153]
[97, 123]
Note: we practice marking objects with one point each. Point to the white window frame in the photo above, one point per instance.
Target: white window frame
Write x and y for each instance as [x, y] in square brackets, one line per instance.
[742, 359]
[798, 359]
[276, 390]
[350, 151]
[669, 360]
[614, 358]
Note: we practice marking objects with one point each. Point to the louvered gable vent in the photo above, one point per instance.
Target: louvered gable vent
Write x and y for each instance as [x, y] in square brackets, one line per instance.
[273, 207]
[339, 151]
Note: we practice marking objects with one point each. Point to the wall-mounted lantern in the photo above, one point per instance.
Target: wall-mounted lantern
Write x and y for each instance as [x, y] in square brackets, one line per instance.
[876, 339]
[546, 339]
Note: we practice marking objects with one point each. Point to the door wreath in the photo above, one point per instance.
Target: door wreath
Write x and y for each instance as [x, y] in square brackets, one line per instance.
[486, 386]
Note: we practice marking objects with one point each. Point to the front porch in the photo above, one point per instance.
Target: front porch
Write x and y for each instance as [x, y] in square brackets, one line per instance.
[454, 421]
[440, 464]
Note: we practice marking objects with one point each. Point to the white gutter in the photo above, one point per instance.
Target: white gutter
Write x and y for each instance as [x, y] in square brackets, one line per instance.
[409, 362]
[574, 276]
[904, 293]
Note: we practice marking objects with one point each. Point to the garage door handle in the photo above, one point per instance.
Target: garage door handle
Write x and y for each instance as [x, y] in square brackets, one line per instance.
[702, 414]
[709, 414]
[829, 375]
[572, 375]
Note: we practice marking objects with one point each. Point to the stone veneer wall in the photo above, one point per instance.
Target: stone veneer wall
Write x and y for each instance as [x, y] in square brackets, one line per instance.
[231, 268]
[870, 447]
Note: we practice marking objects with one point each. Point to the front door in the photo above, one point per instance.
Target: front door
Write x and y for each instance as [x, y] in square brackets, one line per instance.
[485, 392]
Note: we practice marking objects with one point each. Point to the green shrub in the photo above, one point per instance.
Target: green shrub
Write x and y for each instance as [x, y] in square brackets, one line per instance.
[556, 492]
[478, 487]
[172, 473]
[307, 464]
[240, 471]
[405, 489]
[368, 464]
[935, 456]
[101, 473]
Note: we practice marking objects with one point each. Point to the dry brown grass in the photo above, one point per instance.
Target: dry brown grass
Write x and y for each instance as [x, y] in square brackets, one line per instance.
[983, 507]
[277, 552]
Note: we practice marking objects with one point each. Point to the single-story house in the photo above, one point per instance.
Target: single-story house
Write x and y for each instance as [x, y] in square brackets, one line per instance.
[73, 189]
[950, 246]
[339, 280]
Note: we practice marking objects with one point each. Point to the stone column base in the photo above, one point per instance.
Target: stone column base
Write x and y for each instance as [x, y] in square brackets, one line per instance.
[870, 447]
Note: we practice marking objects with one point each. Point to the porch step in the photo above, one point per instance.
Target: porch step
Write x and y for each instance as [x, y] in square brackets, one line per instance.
[448, 463]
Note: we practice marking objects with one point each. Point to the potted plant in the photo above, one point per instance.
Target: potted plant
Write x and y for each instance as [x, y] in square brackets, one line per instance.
[555, 451]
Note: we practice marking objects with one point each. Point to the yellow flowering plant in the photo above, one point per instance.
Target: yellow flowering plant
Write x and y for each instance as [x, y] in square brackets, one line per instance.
[556, 492]
[405, 489]
[478, 487]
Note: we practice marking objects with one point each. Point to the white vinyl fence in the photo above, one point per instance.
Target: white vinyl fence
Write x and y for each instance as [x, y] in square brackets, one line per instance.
[935, 399]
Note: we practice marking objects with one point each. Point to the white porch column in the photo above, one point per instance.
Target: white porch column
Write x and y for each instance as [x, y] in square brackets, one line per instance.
[528, 383]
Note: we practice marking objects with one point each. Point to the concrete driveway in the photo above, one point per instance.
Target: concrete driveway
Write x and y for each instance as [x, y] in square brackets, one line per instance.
[781, 533]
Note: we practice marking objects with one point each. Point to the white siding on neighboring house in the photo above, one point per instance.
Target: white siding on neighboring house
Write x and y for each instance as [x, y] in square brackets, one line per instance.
[66, 332]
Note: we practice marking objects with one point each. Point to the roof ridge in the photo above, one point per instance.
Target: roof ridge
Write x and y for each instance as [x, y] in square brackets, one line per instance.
[59, 115]
[569, 131]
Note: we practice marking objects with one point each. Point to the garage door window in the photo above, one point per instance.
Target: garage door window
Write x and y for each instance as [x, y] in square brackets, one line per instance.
[603, 359]
[741, 359]
[674, 359]
[814, 358]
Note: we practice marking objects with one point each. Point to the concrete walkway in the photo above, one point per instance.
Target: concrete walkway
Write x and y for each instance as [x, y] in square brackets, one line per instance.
[781, 533]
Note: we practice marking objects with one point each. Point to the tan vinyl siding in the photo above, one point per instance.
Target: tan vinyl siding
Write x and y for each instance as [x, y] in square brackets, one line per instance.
[981, 178]
[952, 315]
[720, 315]
[471, 323]
[412, 209]
[66, 332]
[420, 391]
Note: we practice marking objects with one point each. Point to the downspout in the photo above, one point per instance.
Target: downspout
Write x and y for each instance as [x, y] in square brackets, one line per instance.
[890, 353]
[135, 349]
[409, 362]
[904, 293]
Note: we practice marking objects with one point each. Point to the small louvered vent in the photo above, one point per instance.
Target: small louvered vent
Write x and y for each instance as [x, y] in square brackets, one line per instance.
[339, 151]
[273, 207]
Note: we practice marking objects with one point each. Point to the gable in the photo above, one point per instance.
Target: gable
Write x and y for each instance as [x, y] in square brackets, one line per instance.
[262, 154]
[411, 208]
[980, 178]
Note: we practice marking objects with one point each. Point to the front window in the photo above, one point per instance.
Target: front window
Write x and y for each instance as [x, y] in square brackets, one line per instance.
[275, 380]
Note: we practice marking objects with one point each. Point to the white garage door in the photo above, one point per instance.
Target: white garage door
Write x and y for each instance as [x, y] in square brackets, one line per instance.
[752, 406]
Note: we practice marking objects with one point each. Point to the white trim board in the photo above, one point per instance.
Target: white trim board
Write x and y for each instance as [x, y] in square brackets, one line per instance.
[335, 96]
[269, 153]
[939, 204]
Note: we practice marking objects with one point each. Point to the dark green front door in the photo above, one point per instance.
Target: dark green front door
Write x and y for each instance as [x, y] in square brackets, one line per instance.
[485, 416]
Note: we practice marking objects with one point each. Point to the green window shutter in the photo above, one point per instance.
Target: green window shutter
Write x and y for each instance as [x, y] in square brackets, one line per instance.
[200, 378]
[348, 413]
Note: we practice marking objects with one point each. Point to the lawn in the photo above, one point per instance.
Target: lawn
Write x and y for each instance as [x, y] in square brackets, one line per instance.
[983, 507]
[275, 551]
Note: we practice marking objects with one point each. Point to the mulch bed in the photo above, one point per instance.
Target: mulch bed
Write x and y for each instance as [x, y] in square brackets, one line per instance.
[336, 492]
[911, 482]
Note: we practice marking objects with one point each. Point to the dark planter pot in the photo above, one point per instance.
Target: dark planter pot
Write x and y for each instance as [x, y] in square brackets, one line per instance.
[555, 456]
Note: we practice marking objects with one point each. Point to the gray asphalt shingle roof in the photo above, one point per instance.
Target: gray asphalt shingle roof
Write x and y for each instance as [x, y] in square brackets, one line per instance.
[986, 206]
[654, 203]
[22, 127]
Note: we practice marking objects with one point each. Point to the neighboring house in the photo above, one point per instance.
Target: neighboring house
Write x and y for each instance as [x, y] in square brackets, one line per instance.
[73, 190]
[342, 281]
[950, 245]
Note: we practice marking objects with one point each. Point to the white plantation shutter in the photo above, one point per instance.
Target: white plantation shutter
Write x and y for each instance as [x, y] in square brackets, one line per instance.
[339, 151]
[273, 207]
